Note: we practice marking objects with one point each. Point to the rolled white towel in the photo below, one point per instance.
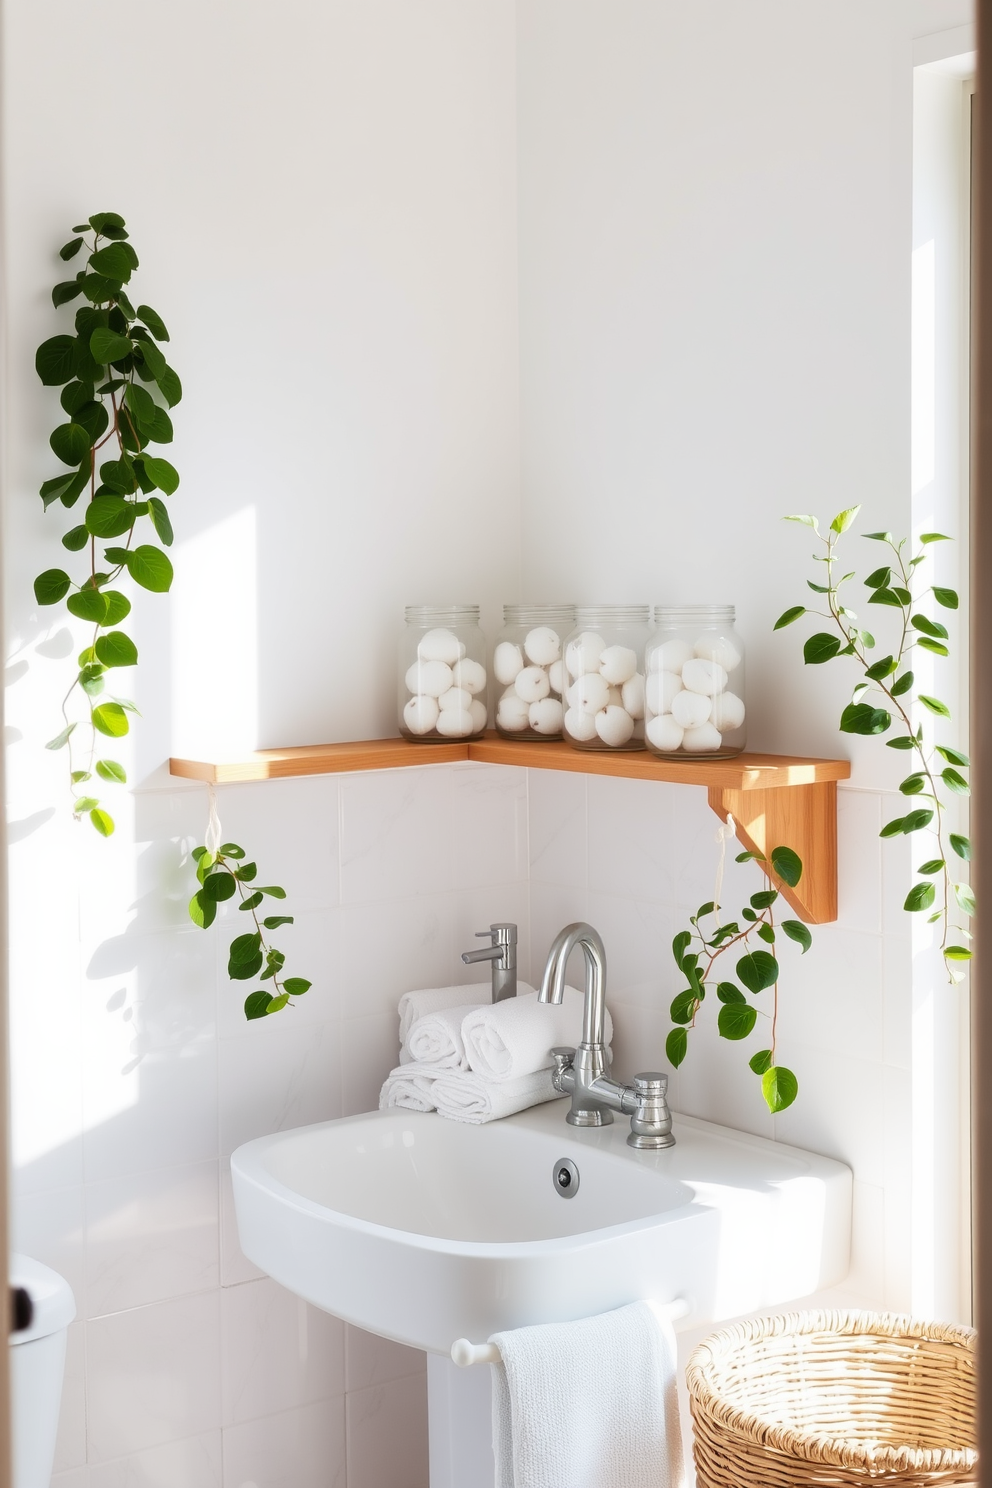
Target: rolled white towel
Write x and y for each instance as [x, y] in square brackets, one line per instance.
[463, 1096]
[437, 1040]
[414, 1005]
[513, 1038]
[410, 1086]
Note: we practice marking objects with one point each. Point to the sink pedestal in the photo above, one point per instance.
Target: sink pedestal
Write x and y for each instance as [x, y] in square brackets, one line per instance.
[460, 1424]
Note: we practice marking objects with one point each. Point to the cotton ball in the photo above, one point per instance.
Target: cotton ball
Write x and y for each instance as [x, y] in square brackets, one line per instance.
[469, 674]
[579, 725]
[478, 714]
[699, 740]
[542, 645]
[590, 694]
[546, 716]
[614, 726]
[706, 677]
[441, 645]
[532, 684]
[618, 664]
[690, 709]
[556, 676]
[455, 697]
[420, 714]
[455, 723]
[718, 649]
[670, 656]
[508, 660]
[512, 713]
[664, 733]
[728, 712]
[585, 653]
[632, 696]
[659, 690]
[430, 677]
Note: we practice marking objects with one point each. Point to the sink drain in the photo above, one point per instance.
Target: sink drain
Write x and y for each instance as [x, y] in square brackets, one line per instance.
[566, 1178]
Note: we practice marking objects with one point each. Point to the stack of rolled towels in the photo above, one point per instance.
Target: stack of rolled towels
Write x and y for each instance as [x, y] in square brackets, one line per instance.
[476, 1061]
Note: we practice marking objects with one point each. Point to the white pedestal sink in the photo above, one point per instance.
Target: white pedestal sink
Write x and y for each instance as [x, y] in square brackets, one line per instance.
[425, 1231]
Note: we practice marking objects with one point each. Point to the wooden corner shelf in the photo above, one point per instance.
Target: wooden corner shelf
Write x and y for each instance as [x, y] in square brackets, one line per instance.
[775, 800]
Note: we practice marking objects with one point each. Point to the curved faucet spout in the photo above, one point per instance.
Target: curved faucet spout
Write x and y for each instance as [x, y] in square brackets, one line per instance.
[590, 941]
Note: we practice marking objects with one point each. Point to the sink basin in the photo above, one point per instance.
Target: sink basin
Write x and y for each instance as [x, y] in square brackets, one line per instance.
[425, 1230]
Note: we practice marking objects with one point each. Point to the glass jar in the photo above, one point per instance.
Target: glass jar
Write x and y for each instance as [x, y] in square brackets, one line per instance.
[694, 694]
[604, 677]
[528, 671]
[442, 674]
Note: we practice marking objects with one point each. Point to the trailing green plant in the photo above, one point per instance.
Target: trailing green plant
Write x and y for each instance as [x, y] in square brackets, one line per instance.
[221, 875]
[116, 389]
[887, 697]
[698, 955]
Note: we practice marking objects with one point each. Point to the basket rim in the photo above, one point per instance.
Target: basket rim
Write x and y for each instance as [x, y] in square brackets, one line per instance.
[842, 1450]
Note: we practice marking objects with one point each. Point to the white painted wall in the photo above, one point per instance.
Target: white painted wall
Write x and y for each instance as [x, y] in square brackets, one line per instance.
[713, 245]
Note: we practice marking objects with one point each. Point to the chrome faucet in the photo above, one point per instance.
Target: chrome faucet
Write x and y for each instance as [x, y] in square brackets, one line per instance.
[583, 1073]
[503, 955]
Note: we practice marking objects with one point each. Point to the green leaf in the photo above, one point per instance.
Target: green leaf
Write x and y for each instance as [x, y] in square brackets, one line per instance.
[955, 782]
[757, 970]
[764, 898]
[160, 520]
[231, 850]
[51, 490]
[904, 742]
[202, 911]
[879, 579]
[788, 865]
[91, 680]
[676, 1045]
[118, 607]
[965, 896]
[705, 909]
[274, 890]
[912, 785]
[296, 986]
[219, 886]
[683, 1008]
[153, 358]
[103, 823]
[767, 934]
[277, 1004]
[110, 719]
[878, 536]
[953, 756]
[820, 648]
[51, 586]
[247, 872]
[932, 865]
[916, 821]
[141, 404]
[879, 670]
[154, 322]
[88, 604]
[272, 922]
[780, 1087]
[252, 902]
[116, 261]
[76, 395]
[806, 521]
[937, 647]
[929, 627]
[92, 417]
[164, 475]
[111, 770]
[797, 931]
[946, 597]
[843, 520]
[169, 386]
[116, 649]
[150, 567]
[107, 224]
[70, 493]
[106, 346]
[159, 429]
[935, 706]
[60, 740]
[109, 516]
[961, 845]
[788, 616]
[930, 537]
[957, 953]
[54, 360]
[66, 291]
[735, 1021]
[728, 993]
[885, 597]
[70, 442]
[70, 249]
[257, 1005]
[862, 718]
[761, 1061]
[680, 945]
[920, 896]
[246, 963]
[79, 775]
[902, 684]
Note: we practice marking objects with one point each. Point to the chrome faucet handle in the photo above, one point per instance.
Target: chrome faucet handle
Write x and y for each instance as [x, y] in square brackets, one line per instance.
[502, 954]
[563, 1057]
[651, 1122]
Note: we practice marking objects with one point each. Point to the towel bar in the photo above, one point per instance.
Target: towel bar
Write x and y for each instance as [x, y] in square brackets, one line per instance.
[464, 1353]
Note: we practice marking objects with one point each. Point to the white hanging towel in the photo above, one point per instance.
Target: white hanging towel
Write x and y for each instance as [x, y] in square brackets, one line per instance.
[411, 1086]
[590, 1404]
[508, 1039]
[414, 1005]
[463, 1096]
[437, 1040]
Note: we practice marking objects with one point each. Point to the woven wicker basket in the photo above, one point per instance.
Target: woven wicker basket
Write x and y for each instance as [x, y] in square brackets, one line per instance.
[834, 1398]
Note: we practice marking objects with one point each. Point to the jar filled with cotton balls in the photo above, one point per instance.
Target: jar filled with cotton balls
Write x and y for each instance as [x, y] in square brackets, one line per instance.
[604, 677]
[694, 687]
[442, 674]
[528, 671]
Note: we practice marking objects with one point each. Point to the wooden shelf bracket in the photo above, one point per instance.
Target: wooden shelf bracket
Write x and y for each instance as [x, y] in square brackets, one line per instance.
[803, 817]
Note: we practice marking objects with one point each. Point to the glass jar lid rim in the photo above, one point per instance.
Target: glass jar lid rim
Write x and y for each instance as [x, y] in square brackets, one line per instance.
[444, 611]
[635, 612]
[527, 612]
[695, 612]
